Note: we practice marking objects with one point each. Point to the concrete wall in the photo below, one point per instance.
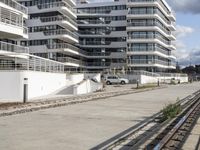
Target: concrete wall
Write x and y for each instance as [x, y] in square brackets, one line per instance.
[168, 79]
[75, 78]
[95, 76]
[145, 79]
[39, 84]
[87, 86]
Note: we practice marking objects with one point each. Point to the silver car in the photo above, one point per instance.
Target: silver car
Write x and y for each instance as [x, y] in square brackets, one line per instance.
[116, 80]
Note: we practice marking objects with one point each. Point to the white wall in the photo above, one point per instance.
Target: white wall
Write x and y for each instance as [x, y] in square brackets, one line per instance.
[39, 84]
[96, 76]
[145, 79]
[168, 79]
[87, 86]
[75, 78]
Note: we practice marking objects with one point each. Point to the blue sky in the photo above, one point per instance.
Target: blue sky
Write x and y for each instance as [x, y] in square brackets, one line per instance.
[188, 30]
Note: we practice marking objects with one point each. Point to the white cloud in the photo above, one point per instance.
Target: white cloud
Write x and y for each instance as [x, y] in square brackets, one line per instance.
[187, 6]
[182, 31]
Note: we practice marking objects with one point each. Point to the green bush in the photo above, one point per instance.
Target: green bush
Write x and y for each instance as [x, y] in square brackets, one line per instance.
[170, 111]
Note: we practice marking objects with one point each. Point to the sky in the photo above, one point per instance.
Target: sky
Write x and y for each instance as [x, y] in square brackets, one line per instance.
[188, 30]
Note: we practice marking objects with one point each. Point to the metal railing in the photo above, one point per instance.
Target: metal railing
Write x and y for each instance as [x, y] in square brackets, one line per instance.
[60, 32]
[173, 75]
[56, 4]
[32, 63]
[141, 72]
[13, 48]
[11, 18]
[15, 5]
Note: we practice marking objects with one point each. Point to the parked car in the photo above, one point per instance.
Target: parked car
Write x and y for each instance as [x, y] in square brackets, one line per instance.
[116, 80]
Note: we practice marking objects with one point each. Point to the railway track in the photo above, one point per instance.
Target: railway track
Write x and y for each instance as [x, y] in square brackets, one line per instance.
[140, 137]
[174, 136]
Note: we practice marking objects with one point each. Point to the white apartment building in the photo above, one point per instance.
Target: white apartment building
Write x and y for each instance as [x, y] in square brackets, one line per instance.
[52, 31]
[150, 26]
[130, 34]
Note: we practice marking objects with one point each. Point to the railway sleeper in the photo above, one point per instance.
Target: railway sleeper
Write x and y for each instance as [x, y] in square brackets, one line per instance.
[173, 145]
[178, 137]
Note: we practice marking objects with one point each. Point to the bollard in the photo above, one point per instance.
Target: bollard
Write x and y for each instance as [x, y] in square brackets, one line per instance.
[137, 84]
[158, 82]
[25, 90]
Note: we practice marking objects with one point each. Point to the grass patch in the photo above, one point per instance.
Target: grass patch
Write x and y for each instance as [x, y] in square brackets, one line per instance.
[144, 86]
[170, 111]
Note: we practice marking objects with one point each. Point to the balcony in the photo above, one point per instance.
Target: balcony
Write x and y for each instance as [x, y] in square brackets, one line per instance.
[151, 38]
[62, 34]
[102, 44]
[154, 51]
[63, 19]
[13, 48]
[151, 63]
[107, 33]
[156, 3]
[16, 6]
[150, 25]
[62, 6]
[11, 24]
[32, 63]
[106, 55]
[68, 61]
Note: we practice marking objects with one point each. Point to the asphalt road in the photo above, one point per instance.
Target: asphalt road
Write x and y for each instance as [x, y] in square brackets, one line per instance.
[86, 125]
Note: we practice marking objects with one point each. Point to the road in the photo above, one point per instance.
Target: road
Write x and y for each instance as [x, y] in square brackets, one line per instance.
[86, 125]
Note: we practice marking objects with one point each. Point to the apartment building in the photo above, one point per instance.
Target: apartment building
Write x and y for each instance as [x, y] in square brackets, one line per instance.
[102, 34]
[150, 26]
[130, 34]
[53, 31]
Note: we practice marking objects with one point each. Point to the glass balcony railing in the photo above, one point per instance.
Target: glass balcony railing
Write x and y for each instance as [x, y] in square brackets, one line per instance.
[13, 48]
[15, 5]
[88, 11]
[62, 45]
[149, 49]
[148, 24]
[93, 22]
[150, 36]
[150, 1]
[70, 60]
[58, 18]
[60, 32]
[150, 12]
[150, 62]
[55, 5]
[98, 64]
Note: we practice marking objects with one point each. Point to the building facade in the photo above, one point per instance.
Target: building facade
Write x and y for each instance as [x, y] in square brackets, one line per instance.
[102, 34]
[150, 26]
[130, 34]
[12, 28]
[53, 31]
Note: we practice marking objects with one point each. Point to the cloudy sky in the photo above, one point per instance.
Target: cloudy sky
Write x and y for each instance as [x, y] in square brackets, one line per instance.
[188, 30]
